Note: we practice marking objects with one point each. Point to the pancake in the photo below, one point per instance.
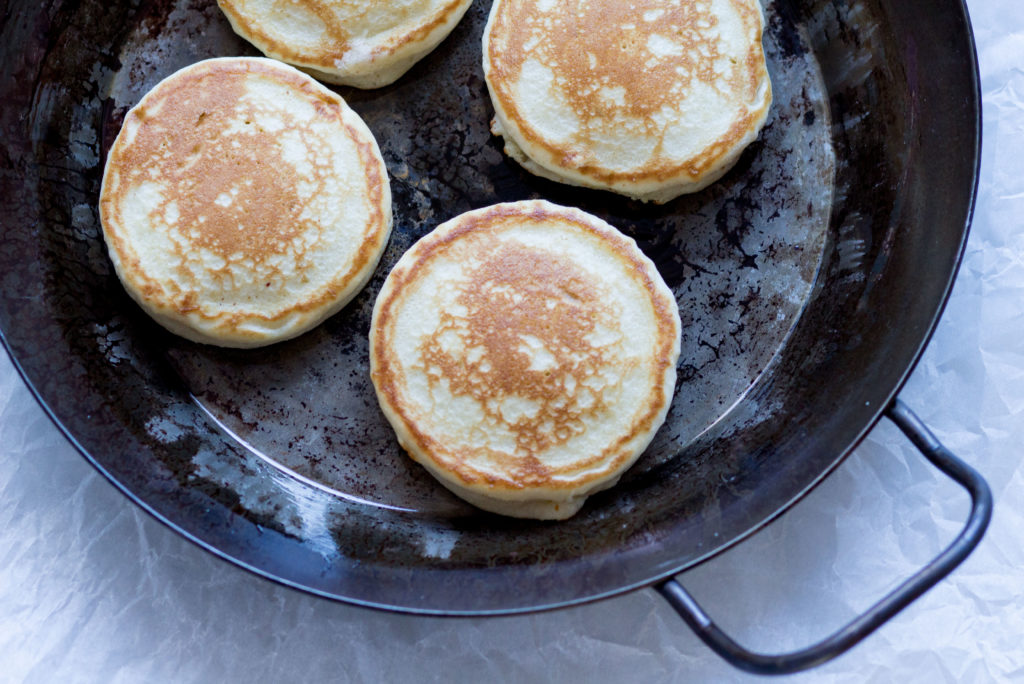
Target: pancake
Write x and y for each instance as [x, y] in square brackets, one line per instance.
[525, 355]
[243, 202]
[360, 43]
[650, 99]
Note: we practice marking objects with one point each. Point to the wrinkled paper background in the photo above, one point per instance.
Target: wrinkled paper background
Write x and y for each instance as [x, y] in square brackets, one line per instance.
[92, 589]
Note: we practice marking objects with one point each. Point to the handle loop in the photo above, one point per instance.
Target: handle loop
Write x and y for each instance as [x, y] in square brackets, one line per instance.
[848, 636]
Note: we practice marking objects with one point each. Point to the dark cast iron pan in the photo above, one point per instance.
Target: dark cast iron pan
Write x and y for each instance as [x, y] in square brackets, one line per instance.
[809, 280]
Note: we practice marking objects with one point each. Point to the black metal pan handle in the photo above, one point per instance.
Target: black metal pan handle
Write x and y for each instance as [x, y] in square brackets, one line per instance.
[892, 603]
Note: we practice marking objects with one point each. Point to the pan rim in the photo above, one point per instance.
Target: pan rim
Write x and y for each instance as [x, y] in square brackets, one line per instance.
[661, 575]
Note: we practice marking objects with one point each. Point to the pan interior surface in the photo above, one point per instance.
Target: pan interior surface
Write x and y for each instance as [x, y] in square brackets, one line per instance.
[808, 280]
[741, 259]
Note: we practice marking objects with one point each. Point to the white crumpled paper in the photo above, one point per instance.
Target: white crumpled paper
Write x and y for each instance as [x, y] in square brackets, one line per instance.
[92, 589]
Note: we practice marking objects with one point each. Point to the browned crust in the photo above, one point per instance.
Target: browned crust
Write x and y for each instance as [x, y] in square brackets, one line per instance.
[530, 473]
[325, 58]
[509, 25]
[191, 93]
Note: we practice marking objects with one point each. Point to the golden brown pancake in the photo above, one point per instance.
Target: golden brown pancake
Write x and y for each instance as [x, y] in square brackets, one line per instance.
[648, 98]
[243, 202]
[361, 43]
[525, 354]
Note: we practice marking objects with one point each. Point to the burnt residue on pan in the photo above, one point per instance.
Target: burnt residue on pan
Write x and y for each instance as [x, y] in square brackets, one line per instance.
[280, 458]
[740, 256]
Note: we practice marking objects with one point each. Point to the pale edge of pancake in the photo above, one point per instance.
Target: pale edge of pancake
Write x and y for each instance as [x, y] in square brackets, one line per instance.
[543, 503]
[368, 66]
[278, 329]
[541, 162]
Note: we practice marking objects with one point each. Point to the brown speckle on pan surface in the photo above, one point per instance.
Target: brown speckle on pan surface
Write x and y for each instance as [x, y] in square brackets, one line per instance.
[280, 457]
